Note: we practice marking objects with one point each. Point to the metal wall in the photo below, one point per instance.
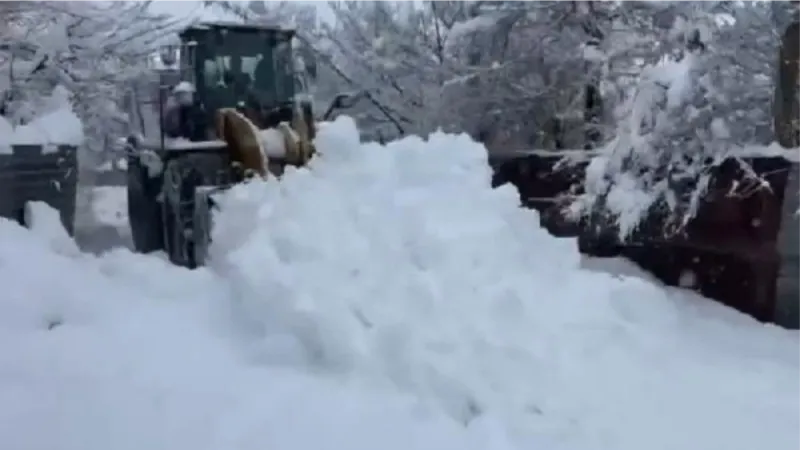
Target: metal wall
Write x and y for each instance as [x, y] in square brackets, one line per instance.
[743, 250]
[37, 173]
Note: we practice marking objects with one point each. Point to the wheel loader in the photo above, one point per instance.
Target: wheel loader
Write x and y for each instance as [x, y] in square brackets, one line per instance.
[252, 118]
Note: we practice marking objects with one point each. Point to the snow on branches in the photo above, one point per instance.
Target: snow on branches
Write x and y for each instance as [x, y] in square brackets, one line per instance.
[398, 53]
[691, 111]
[89, 49]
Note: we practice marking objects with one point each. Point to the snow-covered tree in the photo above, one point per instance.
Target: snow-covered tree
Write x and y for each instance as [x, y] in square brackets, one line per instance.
[398, 53]
[79, 53]
[708, 96]
[90, 49]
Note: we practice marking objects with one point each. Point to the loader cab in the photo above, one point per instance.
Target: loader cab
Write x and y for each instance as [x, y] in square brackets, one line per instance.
[248, 67]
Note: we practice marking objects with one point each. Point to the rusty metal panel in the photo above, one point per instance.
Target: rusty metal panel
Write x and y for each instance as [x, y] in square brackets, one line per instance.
[545, 182]
[735, 247]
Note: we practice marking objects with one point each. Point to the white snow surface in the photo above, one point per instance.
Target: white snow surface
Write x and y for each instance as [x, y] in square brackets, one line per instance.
[58, 127]
[383, 297]
[110, 206]
[273, 140]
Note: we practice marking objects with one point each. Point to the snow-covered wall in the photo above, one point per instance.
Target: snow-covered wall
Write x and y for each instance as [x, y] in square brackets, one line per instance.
[59, 125]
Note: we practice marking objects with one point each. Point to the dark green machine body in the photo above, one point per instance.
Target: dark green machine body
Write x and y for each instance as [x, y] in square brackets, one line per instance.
[243, 66]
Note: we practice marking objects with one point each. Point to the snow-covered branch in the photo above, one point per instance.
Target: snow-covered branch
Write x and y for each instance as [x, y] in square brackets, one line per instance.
[90, 49]
[704, 100]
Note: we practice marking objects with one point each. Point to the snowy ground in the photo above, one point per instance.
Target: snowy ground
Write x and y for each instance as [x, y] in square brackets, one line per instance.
[107, 225]
[383, 298]
[110, 206]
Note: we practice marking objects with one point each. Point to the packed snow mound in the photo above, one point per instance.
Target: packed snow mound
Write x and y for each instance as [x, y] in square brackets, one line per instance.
[121, 352]
[355, 302]
[400, 264]
[61, 126]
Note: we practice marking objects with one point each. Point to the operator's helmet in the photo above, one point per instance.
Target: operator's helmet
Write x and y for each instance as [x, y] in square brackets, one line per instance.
[183, 87]
[184, 93]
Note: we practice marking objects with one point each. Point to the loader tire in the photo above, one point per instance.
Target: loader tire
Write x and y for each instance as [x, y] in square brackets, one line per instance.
[186, 234]
[178, 212]
[144, 210]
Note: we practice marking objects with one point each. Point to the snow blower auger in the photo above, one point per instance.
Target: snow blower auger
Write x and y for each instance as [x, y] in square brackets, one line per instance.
[740, 250]
[229, 106]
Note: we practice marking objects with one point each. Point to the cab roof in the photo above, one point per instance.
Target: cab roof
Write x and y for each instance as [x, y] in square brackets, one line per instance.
[223, 25]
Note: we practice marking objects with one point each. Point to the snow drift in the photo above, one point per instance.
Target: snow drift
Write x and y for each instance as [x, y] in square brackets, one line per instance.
[384, 297]
[399, 263]
[124, 352]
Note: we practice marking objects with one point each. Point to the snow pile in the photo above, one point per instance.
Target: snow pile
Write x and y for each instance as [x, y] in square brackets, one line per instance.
[122, 353]
[45, 221]
[399, 265]
[384, 297]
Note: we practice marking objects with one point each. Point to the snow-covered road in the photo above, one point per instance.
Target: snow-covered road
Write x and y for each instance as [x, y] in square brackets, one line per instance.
[385, 297]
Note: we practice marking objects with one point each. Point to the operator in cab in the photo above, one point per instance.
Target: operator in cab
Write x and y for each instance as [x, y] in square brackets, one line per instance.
[184, 119]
